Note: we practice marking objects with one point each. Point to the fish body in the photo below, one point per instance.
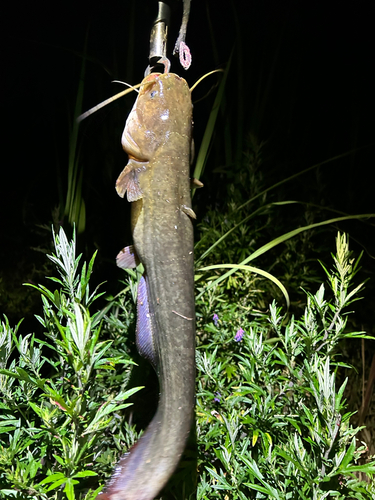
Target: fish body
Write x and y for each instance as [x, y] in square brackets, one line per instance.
[157, 138]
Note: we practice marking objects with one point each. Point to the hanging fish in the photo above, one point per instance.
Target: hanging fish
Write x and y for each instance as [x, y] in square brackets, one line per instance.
[157, 138]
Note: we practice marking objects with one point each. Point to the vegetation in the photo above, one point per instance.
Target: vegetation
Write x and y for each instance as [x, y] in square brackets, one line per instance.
[273, 324]
[60, 392]
[271, 422]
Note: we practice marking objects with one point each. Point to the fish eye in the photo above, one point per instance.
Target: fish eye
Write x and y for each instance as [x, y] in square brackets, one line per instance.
[153, 94]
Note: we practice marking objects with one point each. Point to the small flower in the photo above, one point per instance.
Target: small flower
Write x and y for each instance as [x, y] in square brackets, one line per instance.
[215, 319]
[239, 335]
[217, 398]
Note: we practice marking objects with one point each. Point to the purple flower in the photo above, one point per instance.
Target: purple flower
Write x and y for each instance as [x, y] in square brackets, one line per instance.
[217, 397]
[239, 335]
[215, 319]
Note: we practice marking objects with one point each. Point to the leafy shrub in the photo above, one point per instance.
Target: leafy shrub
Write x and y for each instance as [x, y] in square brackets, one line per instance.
[270, 421]
[60, 395]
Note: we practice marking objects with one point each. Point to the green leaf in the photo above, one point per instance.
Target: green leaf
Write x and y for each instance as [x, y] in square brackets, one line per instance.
[348, 455]
[108, 408]
[339, 395]
[365, 468]
[289, 458]
[210, 127]
[69, 488]
[266, 488]
[85, 473]
[265, 248]
[222, 483]
[53, 477]
[240, 267]
[8, 492]
[60, 460]
[262, 489]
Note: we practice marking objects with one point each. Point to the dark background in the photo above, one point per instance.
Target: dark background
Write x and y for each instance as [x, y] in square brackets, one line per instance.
[304, 72]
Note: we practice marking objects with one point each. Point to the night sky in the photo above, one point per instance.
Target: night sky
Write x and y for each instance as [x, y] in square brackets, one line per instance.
[320, 104]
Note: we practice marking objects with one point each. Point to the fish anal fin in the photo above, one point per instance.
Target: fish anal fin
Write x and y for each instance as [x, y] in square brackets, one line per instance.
[144, 332]
[127, 258]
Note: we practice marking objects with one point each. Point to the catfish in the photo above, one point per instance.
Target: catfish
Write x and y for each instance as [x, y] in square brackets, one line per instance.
[158, 138]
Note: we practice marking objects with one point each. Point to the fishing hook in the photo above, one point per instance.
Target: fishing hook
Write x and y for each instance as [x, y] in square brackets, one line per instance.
[159, 38]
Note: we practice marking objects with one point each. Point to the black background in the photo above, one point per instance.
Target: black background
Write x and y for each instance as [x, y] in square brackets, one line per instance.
[320, 104]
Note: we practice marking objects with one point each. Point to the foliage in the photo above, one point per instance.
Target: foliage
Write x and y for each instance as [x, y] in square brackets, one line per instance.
[270, 421]
[61, 396]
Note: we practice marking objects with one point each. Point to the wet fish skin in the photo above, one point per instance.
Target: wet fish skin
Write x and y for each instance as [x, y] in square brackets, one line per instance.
[157, 138]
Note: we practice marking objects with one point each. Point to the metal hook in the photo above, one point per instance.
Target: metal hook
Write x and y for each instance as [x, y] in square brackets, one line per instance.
[158, 39]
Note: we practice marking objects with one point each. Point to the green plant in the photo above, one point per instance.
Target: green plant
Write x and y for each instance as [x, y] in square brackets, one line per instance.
[271, 422]
[61, 395]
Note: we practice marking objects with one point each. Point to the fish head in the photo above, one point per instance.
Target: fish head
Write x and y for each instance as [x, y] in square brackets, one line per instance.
[163, 107]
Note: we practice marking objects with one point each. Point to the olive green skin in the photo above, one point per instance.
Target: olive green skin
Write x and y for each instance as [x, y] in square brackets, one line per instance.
[157, 137]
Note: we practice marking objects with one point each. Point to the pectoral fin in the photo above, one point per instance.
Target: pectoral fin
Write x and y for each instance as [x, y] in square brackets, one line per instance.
[144, 333]
[128, 180]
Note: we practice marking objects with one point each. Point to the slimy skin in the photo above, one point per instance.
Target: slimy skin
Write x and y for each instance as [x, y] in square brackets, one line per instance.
[157, 138]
